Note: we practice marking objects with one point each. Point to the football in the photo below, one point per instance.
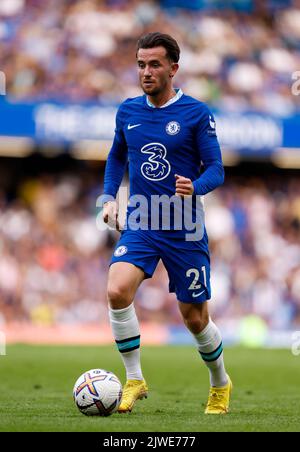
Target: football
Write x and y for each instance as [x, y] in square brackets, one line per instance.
[97, 393]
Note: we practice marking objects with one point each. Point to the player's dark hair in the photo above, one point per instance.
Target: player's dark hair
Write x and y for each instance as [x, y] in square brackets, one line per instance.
[157, 39]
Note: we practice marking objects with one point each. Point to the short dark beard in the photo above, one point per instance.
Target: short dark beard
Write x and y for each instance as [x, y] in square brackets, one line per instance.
[155, 92]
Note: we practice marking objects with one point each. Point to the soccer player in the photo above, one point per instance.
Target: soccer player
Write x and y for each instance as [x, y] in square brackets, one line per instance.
[169, 140]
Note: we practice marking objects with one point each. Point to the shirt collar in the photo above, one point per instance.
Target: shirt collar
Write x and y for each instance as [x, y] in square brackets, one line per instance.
[178, 95]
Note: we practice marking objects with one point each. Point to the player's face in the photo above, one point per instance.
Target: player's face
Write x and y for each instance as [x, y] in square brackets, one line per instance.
[155, 70]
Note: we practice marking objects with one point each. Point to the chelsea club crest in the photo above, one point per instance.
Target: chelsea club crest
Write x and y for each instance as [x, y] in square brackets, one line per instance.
[172, 128]
[120, 251]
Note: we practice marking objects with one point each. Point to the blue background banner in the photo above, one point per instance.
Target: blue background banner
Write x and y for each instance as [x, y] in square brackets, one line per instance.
[58, 123]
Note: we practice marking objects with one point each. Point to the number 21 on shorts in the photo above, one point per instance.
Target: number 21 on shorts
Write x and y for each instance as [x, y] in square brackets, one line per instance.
[195, 284]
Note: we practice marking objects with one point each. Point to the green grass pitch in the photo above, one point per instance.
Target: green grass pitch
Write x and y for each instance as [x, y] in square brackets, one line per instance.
[37, 383]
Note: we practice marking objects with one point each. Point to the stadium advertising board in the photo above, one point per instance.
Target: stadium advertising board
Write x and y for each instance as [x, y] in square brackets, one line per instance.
[247, 132]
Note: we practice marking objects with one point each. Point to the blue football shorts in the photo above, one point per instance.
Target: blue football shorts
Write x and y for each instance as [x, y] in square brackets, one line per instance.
[187, 262]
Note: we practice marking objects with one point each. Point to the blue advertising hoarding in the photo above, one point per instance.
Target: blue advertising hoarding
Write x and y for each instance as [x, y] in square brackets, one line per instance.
[63, 124]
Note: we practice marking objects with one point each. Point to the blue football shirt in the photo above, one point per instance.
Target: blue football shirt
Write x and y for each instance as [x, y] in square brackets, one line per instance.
[158, 143]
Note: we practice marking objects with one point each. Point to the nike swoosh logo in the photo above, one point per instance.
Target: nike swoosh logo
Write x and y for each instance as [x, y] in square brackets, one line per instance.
[194, 295]
[133, 126]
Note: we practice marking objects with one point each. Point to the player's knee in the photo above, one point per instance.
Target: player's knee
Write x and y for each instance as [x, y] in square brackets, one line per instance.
[118, 297]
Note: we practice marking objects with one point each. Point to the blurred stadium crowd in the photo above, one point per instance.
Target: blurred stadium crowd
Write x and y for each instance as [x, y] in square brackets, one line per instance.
[83, 51]
[54, 261]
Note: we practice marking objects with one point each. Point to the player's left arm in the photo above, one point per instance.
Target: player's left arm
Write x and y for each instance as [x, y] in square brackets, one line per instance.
[210, 155]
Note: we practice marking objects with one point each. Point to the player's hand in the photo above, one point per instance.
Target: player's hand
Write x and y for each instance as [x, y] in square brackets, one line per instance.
[110, 214]
[184, 186]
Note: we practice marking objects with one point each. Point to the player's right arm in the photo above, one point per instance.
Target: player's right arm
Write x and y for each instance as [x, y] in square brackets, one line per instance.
[114, 171]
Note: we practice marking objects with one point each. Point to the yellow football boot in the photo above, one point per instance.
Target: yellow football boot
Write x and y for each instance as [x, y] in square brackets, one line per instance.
[133, 390]
[218, 399]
